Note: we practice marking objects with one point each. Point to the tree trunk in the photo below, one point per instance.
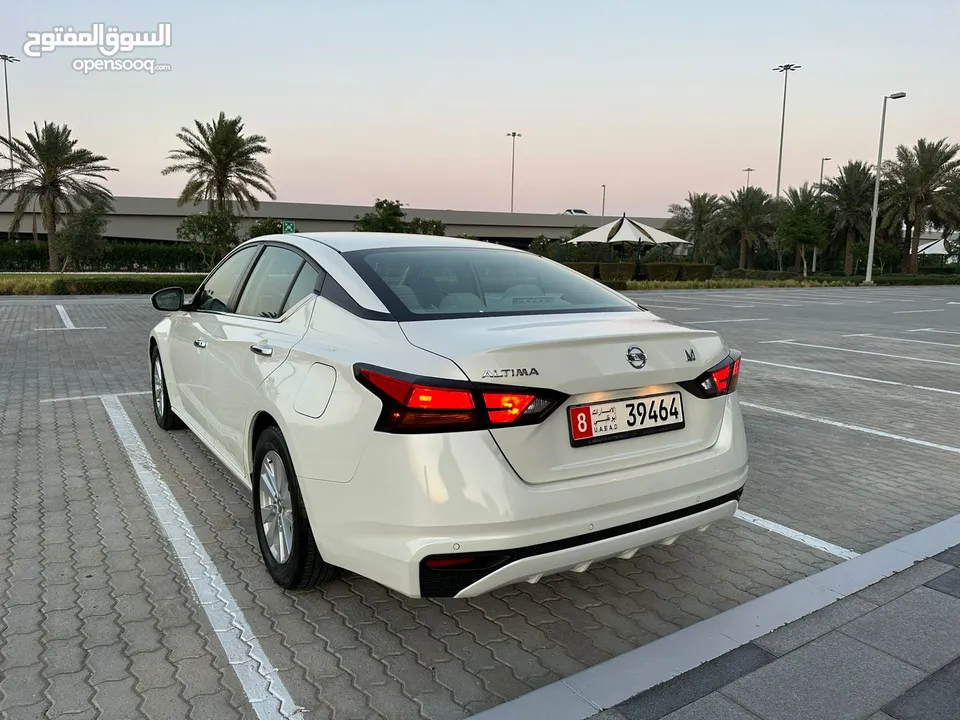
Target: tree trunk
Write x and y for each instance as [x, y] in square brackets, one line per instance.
[743, 252]
[905, 245]
[848, 251]
[50, 223]
[915, 247]
[814, 268]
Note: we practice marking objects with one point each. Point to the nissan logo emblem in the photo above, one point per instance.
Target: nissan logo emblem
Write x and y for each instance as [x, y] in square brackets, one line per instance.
[636, 357]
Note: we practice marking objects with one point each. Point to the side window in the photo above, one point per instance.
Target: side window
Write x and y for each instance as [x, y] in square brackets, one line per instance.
[304, 284]
[267, 287]
[216, 292]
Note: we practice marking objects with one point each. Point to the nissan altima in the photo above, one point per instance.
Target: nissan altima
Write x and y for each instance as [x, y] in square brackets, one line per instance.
[446, 416]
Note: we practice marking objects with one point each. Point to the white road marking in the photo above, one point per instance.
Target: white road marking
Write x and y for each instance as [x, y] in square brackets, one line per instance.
[945, 332]
[862, 352]
[263, 687]
[710, 322]
[904, 312]
[664, 307]
[852, 377]
[67, 322]
[71, 328]
[906, 340]
[770, 342]
[809, 540]
[858, 428]
[93, 397]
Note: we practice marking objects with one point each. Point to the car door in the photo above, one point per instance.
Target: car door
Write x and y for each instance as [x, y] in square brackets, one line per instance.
[190, 334]
[271, 316]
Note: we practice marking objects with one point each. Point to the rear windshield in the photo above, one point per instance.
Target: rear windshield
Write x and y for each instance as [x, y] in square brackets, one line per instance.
[431, 283]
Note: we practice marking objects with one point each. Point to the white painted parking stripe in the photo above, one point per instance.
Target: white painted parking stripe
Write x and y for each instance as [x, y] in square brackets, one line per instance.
[710, 322]
[857, 428]
[945, 332]
[67, 322]
[809, 540]
[663, 307]
[93, 397]
[906, 340]
[266, 692]
[861, 352]
[851, 377]
[904, 312]
[101, 327]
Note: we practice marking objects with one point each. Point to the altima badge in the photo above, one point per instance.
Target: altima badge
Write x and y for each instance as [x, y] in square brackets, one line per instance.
[691, 355]
[636, 357]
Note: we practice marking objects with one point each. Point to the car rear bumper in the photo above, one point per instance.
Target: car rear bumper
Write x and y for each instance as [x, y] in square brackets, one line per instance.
[423, 497]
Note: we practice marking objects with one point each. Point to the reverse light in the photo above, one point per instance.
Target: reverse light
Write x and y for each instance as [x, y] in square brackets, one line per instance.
[719, 380]
[413, 404]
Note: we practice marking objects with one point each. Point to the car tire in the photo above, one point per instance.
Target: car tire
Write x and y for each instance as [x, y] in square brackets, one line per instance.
[283, 530]
[166, 418]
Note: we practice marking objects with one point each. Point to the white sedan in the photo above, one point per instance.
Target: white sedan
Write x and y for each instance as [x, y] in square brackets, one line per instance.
[446, 416]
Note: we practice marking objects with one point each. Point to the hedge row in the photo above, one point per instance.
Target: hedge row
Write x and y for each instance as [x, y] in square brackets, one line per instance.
[608, 272]
[95, 284]
[24, 256]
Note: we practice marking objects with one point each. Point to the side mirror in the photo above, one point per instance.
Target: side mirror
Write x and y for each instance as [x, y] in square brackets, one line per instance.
[168, 299]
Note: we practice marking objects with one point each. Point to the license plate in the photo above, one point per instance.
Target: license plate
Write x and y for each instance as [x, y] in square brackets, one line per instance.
[620, 419]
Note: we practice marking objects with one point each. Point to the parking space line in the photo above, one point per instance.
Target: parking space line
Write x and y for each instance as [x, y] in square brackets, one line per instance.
[67, 322]
[851, 377]
[93, 397]
[809, 540]
[945, 332]
[858, 428]
[262, 685]
[710, 322]
[861, 352]
[664, 307]
[908, 340]
[905, 312]
[100, 327]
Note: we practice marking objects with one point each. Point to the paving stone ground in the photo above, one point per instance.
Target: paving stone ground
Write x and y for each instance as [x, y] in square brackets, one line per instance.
[97, 619]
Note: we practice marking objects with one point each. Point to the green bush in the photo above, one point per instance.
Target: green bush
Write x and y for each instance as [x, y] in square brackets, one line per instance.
[69, 284]
[618, 285]
[696, 271]
[590, 269]
[901, 279]
[662, 272]
[616, 271]
[24, 256]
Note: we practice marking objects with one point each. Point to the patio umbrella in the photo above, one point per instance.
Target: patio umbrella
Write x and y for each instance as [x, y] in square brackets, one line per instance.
[625, 230]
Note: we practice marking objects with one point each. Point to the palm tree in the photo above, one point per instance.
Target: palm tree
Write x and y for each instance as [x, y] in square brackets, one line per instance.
[924, 186]
[747, 215]
[53, 175]
[800, 222]
[222, 163]
[848, 198]
[695, 221]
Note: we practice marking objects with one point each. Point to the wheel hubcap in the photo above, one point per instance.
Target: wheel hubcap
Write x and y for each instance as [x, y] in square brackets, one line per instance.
[158, 387]
[276, 507]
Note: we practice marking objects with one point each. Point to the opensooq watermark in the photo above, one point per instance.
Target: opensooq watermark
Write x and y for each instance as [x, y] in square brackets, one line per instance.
[108, 41]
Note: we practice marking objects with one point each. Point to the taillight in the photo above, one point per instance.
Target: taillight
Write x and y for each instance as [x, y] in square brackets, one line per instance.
[719, 380]
[414, 404]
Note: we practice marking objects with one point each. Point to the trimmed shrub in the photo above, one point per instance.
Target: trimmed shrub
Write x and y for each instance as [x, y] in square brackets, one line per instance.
[616, 271]
[95, 284]
[590, 269]
[24, 256]
[662, 272]
[696, 271]
[618, 285]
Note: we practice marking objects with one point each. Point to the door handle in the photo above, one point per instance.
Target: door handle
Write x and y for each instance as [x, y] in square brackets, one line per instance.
[200, 343]
[262, 350]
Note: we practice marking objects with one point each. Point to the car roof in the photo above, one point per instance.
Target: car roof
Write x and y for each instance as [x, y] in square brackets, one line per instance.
[347, 241]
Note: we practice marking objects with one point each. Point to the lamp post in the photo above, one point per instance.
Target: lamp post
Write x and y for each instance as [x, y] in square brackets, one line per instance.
[819, 193]
[748, 170]
[6, 60]
[876, 187]
[513, 163]
[603, 204]
[785, 69]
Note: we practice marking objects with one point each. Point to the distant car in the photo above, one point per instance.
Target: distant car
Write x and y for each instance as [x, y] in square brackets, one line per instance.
[446, 416]
[574, 211]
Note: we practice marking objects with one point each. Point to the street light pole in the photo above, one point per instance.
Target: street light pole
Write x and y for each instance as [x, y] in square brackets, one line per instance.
[603, 204]
[785, 69]
[7, 59]
[819, 193]
[513, 164]
[748, 170]
[876, 187]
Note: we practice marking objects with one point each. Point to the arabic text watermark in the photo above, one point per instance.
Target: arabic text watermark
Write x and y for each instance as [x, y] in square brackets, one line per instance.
[147, 65]
[107, 39]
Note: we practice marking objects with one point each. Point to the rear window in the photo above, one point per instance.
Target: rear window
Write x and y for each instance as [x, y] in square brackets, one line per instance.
[431, 283]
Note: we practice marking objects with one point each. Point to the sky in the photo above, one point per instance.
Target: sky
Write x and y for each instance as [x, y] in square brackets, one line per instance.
[413, 100]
